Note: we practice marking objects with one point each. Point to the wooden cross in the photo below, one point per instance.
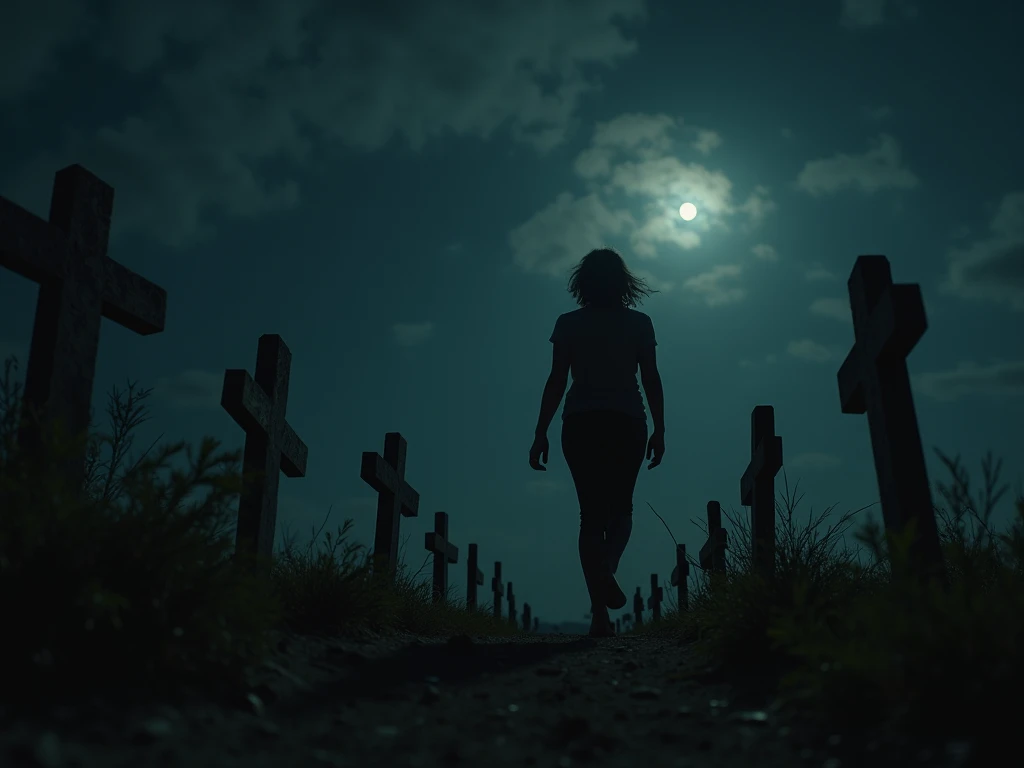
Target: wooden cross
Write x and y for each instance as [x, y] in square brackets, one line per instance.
[474, 577]
[682, 567]
[654, 601]
[497, 589]
[712, 554]
[78, 284]
[536, 625]
[395, 499]
[527, 617]
[638, 607]
[888, 321]
[757, 487]
[436, 541]
[271, 446]
[511, 598]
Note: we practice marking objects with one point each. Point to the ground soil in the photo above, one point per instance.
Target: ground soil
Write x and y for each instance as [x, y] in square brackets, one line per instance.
[544, 700]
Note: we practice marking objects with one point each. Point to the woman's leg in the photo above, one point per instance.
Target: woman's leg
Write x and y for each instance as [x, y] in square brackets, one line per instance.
[630, 446]
[584, 452]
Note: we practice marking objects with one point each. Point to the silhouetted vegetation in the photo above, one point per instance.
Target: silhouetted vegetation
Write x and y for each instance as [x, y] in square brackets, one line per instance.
[836, 637]
[132, 580]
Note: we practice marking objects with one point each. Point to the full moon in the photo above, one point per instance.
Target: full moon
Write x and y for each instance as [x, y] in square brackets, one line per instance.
[688, 211]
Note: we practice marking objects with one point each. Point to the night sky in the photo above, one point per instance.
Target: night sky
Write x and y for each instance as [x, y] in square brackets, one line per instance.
[400, 192]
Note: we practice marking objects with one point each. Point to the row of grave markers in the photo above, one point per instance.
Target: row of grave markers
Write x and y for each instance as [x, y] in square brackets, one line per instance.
[79, 284]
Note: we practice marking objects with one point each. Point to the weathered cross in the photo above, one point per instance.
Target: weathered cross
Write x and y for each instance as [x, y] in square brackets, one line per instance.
[712, 554]
[271, 446]
[638, 607]
[511, 598]
[888, 321]
[682, 567]
[474, 577]
[757, 487]
[497, 589]
[78, 284]
[445, 552]
[536, 624]
[654, 601]
[527, 617]
[395, 498]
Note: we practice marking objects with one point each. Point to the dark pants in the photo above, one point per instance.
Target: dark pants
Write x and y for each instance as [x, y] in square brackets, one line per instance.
[604, 451]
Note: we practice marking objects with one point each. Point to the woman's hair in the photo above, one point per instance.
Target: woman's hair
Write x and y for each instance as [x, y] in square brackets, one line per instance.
[603, 278]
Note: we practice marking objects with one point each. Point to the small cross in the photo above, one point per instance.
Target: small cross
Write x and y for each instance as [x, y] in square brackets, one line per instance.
[395, 498]
[497, 589]
[638, 607]
[757, 486]
[474, 576]
[511, 598]
[654, 601]
[271, 446]
[444, 552]
[712, 554]
[682, 567]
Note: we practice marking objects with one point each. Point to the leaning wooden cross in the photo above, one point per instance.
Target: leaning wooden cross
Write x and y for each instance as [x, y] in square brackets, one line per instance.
[444, 552]
[682, 567]
[888, 321]
[78, 284]
[757, 487]
[497, 589]
[654, 601]
[474, 576]
[258, 404]
[395, 499]
[712, 554]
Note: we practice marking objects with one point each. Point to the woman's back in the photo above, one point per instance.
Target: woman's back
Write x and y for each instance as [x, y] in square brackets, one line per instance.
[604, 346]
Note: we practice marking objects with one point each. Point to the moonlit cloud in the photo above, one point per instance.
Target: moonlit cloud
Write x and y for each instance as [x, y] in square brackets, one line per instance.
[806, 349]
[835, 308]
[969, 378]
[880, 167]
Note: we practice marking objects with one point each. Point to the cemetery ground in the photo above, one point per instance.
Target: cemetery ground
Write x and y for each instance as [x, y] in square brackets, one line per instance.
[133, 636]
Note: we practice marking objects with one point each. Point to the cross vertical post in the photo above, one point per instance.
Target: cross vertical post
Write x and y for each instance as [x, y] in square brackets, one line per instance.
[395, 499]
[511, 598]
[679, 578]
[757, 487]
[888, 321]
[474, 577]
[638, 608]
[444, 552]
[258, 405]
[654, 601]
[497, 589]
[712, 554]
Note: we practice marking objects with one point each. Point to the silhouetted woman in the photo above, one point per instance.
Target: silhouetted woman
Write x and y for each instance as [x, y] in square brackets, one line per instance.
[604, 426]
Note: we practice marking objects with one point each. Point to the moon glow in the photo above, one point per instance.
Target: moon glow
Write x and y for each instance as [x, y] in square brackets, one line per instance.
[688, 211]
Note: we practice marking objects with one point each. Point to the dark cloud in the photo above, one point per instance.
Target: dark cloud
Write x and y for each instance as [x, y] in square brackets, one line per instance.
[241, 85]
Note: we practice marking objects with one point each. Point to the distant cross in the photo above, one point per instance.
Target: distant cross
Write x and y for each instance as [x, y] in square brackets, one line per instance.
[78, 284]
[527, 617]
[497, 589]
[712, 554]
[511, 598]
[536, 625]
[474, 577]
[638, 607]
[395, 498]
[271, 446]
[444, 552]
[654, 601]
[757, 487]
[682, 567]
[888, 321]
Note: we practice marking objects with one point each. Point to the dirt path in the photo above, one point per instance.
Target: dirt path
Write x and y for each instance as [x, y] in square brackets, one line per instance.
[540, 701]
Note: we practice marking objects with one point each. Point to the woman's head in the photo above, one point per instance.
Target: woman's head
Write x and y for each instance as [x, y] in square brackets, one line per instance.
[603, 279]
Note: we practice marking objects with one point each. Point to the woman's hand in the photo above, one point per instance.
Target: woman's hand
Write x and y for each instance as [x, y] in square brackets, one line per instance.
[655, 449]
[539, 452]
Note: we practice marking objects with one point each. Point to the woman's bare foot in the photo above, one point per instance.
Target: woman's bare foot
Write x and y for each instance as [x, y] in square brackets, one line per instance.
[601, 625]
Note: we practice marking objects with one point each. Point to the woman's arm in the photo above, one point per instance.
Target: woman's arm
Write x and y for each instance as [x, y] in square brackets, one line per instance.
[651, 380]
[554, 388]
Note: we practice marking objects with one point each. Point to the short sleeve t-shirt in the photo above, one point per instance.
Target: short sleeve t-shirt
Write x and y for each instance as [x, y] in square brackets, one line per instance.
[604, 351]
